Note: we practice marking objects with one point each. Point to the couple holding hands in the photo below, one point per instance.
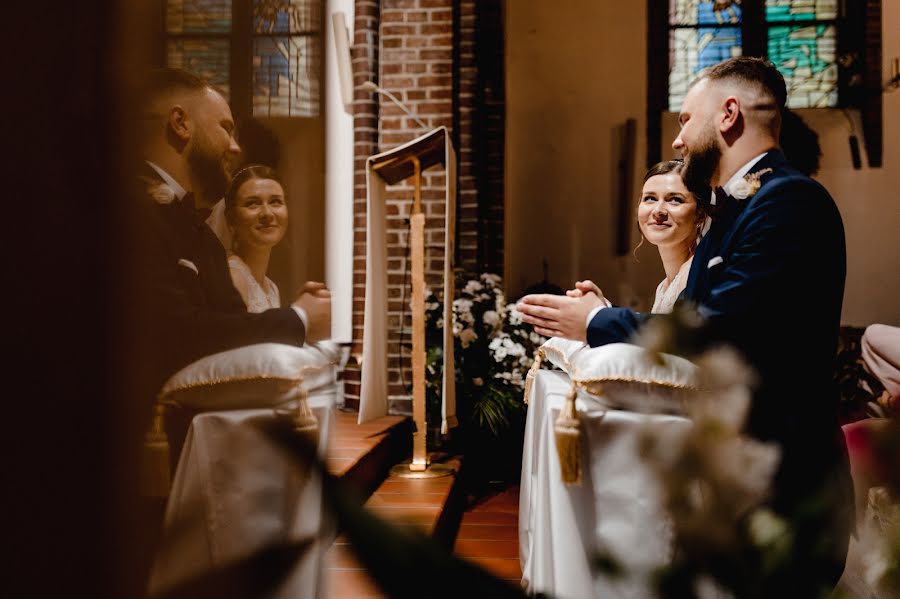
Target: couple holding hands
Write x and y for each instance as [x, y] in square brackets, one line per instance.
[766, 272]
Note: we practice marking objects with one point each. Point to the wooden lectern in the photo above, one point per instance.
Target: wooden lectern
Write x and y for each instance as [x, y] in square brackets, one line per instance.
[389, 168]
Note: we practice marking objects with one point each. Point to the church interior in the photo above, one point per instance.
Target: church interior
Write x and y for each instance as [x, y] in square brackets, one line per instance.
[439, 159]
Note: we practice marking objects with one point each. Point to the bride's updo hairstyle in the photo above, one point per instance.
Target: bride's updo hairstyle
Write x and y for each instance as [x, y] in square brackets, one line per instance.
[664, 168]
[253, 171]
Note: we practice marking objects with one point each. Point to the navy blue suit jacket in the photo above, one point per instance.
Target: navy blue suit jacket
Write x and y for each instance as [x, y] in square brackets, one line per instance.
[774, 293]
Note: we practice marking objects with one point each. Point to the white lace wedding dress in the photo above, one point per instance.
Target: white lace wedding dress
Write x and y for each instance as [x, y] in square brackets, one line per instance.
[667, 293]
[258, 298]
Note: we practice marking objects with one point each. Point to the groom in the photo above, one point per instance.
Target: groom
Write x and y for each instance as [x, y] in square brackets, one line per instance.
[768, 278]
[188, 142]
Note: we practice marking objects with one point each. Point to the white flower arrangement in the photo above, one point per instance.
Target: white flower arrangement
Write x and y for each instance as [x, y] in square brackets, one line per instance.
[494, 348]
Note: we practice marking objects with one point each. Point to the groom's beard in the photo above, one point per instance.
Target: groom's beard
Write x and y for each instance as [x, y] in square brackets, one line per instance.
[213, 170]
[700, 164]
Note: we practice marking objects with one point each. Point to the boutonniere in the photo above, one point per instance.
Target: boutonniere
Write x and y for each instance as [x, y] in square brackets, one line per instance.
[749, 185]
[159, 191]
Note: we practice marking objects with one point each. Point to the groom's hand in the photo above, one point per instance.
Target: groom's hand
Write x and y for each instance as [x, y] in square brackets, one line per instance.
[559, 315]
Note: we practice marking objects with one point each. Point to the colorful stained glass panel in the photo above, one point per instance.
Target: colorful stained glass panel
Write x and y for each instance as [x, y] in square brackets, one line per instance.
[286, 16]
[801, 10]
[805, 55]
[693, 50]
[208, 58]
[198, 16]
[286, 76]
[704, 12]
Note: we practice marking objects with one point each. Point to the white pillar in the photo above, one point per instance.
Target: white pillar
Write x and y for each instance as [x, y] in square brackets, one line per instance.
[338, 185]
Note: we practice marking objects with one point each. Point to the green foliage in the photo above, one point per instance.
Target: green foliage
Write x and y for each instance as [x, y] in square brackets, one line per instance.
[493, 350]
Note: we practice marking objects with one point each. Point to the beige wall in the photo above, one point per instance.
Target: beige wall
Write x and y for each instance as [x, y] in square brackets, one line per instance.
[571, 80]
[573, 77]
[300, 257]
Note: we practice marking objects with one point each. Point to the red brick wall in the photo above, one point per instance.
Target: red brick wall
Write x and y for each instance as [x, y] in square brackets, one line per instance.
[467, 193]
[364, 58]
[489, 127]
[416, 65]
[423, 52]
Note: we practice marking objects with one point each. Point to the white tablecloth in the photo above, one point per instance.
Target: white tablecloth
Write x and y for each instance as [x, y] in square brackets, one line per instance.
[615, 510]
[234, 493]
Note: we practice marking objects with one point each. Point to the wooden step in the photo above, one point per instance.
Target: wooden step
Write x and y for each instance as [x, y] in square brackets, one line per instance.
[362, 454]
[431, 506]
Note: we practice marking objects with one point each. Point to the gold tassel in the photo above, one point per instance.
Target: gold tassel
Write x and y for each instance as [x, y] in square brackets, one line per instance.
[305, 422]
[567, 430]
[156, 475]
[529, 378]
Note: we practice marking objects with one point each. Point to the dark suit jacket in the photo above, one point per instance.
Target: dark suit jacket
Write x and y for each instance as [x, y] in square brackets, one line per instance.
[776, 296]
[196, 313]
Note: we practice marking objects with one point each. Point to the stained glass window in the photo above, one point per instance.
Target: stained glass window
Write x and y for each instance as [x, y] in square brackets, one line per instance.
[701, 34]
[208, 58]
[281, 77]
[198, 16]
[800, 37]
[801, 10]
[286, 57]
[198, 39]
[802, 42]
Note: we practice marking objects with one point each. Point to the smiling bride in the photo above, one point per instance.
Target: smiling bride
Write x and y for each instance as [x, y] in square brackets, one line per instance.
[257, 217]
[671, 219]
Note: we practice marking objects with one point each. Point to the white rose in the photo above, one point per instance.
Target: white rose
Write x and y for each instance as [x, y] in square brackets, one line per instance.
[473, 287]
[491, 318]
[741, 189]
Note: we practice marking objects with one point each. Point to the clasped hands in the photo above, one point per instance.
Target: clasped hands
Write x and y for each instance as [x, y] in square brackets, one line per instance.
[315, 299]
[563, 315]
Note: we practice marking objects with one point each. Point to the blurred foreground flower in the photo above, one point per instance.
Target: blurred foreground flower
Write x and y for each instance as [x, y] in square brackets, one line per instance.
[714, 479]
[712, 475]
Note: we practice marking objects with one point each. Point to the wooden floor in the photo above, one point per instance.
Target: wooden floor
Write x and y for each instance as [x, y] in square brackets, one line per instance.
[489, 535]
[487, 532]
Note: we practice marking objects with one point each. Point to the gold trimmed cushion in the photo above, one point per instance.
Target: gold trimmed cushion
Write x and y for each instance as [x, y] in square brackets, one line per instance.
[623, 375]
[256, 376]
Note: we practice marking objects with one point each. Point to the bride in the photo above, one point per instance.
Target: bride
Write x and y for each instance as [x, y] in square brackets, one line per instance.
[670, 218]
[257, 218]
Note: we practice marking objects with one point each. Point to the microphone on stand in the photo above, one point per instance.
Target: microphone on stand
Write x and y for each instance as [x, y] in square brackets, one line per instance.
[370, 86]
